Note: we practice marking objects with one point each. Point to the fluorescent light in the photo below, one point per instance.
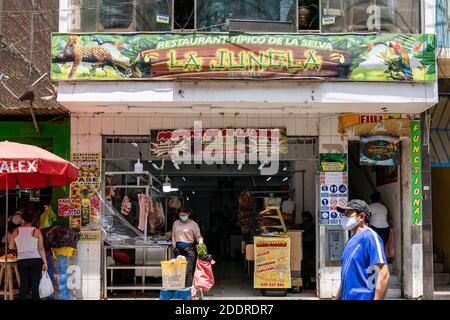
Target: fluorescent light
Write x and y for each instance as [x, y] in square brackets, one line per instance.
[263, 164]
[175, 164]
[285, 168]
[167, 187]
[184, 179]
[193, 192]
[268, 179]
[174, 189]
[286, 179]
[240, 166]
[135, 144]
[187, 198]
[155, 166]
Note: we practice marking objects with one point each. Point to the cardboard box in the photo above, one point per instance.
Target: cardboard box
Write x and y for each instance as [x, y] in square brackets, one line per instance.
[297, 282]
[296, 249]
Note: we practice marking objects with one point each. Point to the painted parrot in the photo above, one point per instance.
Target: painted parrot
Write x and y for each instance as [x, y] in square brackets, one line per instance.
[397, 50]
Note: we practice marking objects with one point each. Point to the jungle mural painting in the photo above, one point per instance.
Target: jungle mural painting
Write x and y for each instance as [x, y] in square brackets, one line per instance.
[171, 56]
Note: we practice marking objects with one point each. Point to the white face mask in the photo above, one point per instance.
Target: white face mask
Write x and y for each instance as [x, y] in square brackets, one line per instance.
[348, 223]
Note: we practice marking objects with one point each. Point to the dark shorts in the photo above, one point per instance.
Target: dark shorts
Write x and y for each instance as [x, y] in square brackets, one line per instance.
[383, 233]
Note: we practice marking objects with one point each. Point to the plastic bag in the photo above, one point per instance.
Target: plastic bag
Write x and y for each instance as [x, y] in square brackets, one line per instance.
[203, 275]
[47, 219]
[389, 248]
[58, 237]
[45, 286]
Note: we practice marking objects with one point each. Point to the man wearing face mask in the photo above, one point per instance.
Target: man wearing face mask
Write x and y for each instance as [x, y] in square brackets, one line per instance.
[364, 271]
[185, 232]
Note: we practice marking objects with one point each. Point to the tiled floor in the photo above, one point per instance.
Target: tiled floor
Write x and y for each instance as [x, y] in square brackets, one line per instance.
[232, 282]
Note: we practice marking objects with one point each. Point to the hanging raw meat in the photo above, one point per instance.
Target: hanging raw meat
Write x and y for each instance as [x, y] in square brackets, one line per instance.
[245, 215]
[126, 206]
[161, 215]
[152, 215]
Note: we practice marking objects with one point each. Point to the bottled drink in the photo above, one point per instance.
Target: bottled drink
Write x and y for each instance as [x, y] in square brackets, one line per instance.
[85, 207]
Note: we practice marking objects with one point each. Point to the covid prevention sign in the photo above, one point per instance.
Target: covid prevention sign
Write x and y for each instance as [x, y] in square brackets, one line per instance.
[333, 187]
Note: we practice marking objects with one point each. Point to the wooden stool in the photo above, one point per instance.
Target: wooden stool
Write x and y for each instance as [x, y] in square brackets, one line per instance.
[12, 268]
[249, 256]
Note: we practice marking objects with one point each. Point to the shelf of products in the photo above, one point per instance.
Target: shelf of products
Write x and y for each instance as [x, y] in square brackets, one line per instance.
[151, 264]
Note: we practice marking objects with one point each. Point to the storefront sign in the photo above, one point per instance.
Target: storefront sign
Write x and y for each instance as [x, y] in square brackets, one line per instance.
[19, 166]
[353, 120]
[379, 151]
[333, 187]
[69, 207]
[164, 56]
[416, 172]
[225, 140]
[84, 192]
[272, 263]
[372, 118]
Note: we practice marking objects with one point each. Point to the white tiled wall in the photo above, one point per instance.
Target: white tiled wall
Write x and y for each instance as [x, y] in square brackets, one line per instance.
[135, 124]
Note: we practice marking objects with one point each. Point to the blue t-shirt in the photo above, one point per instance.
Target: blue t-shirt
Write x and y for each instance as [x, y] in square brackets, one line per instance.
[362, 252]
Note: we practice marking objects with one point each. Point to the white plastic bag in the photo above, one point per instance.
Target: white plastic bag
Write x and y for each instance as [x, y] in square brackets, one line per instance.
[45, 286]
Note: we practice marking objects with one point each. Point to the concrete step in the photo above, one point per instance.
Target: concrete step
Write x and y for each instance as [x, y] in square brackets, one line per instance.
[438, 267]
[441, 278]
[394, 281]
[442, 295]
[442, 292]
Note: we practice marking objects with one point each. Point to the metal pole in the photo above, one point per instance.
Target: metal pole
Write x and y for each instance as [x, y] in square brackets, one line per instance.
[165, 213]
[6, 242]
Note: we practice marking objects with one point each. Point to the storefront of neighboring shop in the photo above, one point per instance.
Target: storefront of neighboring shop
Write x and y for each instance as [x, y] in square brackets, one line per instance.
[55, 138]
[198, 95]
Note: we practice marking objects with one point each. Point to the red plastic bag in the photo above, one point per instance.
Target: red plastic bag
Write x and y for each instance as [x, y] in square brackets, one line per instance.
[389, 248]
[121, 257]
[204, 276]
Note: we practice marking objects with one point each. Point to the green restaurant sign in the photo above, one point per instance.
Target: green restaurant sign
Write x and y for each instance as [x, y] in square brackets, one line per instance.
[416, 172]
[171, 56]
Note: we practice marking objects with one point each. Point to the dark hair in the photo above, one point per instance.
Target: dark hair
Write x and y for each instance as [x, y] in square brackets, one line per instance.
[308, 215]
[28, 216]
[186, 208]
[375, 197]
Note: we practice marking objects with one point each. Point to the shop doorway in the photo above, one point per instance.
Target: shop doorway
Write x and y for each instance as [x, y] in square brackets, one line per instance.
[364, 181]
[441, 224]
[214, 193]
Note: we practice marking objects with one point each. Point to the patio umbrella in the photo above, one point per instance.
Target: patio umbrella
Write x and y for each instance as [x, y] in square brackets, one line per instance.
[30, 167]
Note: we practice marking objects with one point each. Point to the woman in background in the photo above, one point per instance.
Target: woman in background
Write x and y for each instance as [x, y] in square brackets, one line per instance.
[31, 259]
[185, 232]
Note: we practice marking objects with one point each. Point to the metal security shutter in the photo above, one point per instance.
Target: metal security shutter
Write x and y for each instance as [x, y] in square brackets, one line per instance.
[128, 148]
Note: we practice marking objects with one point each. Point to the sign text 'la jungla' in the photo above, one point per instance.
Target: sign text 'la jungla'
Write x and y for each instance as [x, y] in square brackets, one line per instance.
[246, 60]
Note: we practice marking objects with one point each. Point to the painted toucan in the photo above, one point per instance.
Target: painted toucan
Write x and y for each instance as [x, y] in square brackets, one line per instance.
[397, 50]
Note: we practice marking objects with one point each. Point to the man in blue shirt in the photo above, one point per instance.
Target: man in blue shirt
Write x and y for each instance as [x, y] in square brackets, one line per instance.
[364, 272]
